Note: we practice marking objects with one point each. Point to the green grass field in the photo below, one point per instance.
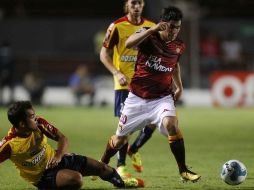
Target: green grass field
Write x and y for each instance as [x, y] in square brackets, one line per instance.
[212, 136]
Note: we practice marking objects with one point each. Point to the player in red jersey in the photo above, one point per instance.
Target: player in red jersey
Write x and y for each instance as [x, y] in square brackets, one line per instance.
[38, 163]
[120, 62]
[152, 98]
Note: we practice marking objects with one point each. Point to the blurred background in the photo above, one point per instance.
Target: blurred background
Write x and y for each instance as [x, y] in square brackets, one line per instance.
[44, 42]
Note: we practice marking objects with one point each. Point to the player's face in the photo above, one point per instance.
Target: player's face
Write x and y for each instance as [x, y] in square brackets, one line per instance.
[135, 7]
[31, 123]
[173, 29]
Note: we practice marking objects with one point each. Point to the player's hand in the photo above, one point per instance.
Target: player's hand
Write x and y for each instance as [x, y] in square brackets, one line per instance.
[161, 26]
[53, 162]
[121, 78]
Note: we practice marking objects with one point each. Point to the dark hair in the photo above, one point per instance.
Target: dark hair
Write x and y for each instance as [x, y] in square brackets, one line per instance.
[171, 13]
[17, 111]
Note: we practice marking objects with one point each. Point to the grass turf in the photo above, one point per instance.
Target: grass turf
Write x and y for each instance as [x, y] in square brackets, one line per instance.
[212, 136]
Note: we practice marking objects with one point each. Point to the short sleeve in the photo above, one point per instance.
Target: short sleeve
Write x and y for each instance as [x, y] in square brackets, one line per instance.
[111, 38]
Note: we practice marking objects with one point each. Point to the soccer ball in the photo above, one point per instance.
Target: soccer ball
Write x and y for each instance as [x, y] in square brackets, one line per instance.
[233, 172]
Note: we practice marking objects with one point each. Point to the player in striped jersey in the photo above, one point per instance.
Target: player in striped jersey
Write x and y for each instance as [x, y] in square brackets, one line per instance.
[152, 97]
[120, 62]
[38, 163]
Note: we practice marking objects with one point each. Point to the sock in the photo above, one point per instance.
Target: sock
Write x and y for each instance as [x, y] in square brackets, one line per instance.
[177, 148]
[115, 179]
[109, 152]
[144, 135]
[121, 157]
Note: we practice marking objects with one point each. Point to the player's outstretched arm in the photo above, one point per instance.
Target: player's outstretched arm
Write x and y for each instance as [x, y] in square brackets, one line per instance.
[62, 146]
[135, 39]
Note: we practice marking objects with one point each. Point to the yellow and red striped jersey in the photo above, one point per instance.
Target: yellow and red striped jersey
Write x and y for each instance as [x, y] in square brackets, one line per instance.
[29, 154]
[123, 58]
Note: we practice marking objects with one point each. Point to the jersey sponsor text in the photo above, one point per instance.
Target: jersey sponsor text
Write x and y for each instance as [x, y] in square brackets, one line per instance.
[155, 63]
[128, 58]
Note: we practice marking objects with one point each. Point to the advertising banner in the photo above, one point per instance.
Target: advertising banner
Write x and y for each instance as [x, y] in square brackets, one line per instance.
[232, 88]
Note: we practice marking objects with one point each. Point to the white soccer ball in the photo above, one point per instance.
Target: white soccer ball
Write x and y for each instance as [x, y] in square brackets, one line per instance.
[233, 172]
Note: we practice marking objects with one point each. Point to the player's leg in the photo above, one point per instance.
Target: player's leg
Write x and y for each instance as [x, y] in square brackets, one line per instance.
[71, 179]
[120, 97]
[164, 116]
[67, 174]
[105, 172]
[68, 179]
[121, 161]
[56, 178]
[176, 143]
[132, 119]
[144, 135]
[132, 116]
[73, 167]
[113, 145]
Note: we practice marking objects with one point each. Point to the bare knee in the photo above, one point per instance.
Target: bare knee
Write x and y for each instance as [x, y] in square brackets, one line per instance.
[119, 141]
[69, 179]
[77, 180]
[171, 124]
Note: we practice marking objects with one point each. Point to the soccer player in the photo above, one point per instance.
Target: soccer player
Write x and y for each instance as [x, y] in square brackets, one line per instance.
[151, 98]
[38, 163]
[120, 62]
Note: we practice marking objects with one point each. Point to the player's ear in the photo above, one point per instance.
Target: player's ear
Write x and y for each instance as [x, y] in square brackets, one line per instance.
[21, 125]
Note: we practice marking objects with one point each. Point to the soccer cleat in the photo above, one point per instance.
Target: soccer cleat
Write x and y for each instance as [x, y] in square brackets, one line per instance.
[123, 172]
[133, 182]
[189, 176]
[136, 161]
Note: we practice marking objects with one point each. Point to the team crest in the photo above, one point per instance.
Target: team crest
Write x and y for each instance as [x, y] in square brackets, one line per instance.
[123, 119]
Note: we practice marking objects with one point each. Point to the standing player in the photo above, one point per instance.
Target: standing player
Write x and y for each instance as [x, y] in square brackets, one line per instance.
[151, 98]
[38, 163]
[120, 62]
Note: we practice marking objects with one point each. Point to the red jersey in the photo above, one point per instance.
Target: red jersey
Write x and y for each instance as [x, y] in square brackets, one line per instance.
[156, 61]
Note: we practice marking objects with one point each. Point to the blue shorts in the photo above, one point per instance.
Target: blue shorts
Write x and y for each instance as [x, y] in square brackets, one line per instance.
[70, 161]
[120, 96]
